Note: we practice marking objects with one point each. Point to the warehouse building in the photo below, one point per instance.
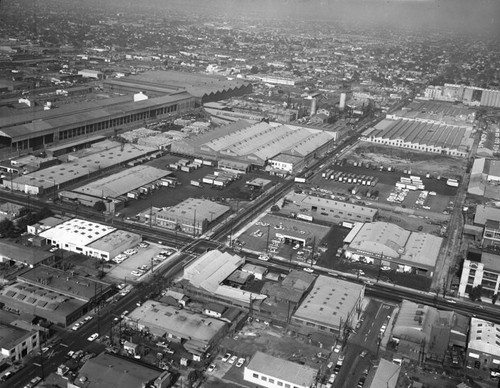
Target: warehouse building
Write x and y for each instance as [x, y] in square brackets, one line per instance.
[422, 136]
[58, 296]
[272, 372]
[203, 87]
[469, 95]
[24, 133]
[424, 333]
[110, 188]
[436, 112]
[204, 279]
[10, 252]
[328, 209]
[388, 245]
[193, 215]
[80, 165]
[90, 238]
[256, 143]
[196, 332]
[329, 307]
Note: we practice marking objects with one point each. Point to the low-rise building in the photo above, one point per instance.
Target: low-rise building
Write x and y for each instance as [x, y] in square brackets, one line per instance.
[17, 343]
[483, 349]
[273, 372]
[10, 252]
[90, 238]
[192, 215]
[114, 371]
[386, 244]
[330, 305]
[196, 332]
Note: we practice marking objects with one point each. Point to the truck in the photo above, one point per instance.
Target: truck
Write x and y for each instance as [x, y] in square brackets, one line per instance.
[374, 182]
[196, 183]
[452, 182]
[348, 225]
[299, 179]
[400, 185]
[305, 217]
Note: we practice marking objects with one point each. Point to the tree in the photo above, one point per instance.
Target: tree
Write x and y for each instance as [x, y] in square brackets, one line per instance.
[6, 227]
[475, 293]
[494, 299]
[100, 206]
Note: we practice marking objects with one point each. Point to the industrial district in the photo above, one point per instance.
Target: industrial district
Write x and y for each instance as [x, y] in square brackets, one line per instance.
[193, 199]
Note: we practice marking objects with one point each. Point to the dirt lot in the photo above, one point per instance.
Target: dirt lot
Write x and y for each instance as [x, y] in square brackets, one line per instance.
[402, 159]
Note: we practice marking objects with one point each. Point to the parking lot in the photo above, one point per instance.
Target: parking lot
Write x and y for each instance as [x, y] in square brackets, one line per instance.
[170, 196]
[143, 258]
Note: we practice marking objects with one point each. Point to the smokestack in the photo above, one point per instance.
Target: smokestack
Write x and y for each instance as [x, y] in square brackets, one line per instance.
[313, 106]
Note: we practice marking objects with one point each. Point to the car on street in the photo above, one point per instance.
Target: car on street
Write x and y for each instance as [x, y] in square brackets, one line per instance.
[232, 360]
[337, 348]
[309, 269]
[137, 273]
[93, 337]
[52, 250]
[363, 354]
[88, 318]
[264, 257]
[211, 368]
[7, 376]
[226, 357]
[33, 382]
[70, 354]
[76, 326]
[130, 252]
[330, 365]
[124, 314]
[240, 362]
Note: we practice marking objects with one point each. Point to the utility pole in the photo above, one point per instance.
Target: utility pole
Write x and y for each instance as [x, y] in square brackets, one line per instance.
[194, 224]
[267, 242]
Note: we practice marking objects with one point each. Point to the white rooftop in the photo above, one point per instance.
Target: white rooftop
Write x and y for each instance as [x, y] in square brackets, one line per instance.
[484, 337]
[77, 232]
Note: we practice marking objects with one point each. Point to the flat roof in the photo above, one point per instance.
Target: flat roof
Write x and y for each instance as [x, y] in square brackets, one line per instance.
[75, 143]
[293, 228]
[483, 337]
[330, 302]
[10, 336]
[423, 249]
[162, 319]
[114, 240]
[77, 232]
[195, 207]
[111, 371]
[64, 282]
[490, 261]
[23, 254]
[387, 375]
[281, 369]
[484, 213]
[122, 182]
[80, 166]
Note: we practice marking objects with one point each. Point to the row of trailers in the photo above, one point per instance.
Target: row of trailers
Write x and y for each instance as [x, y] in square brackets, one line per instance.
[169, 181]
[219, 179]
[347, 177]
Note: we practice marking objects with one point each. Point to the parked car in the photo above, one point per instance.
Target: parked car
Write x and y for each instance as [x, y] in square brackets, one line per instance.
[240, 362]
[309, 269]
[226, 357]
[232, 360]
[211, 368]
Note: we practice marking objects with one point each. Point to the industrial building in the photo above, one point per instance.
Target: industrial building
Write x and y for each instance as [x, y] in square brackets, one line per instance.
[80, 165]
[469, 95]
[24, 133]
[483, 350]
[252, 144]
[204, 88]
[273, 372]
[484, 178]
[485, 273]
[196, 332]
[325, 209]
[388, 245]
[204, 278]
[422, 136]
[115, 371]
[436, 112]
[330, 305]
[423, 333]
[58, 296]
[17, 343]
[386, 375]
[21, 254]
[112, 189]
[90, 238]
[193, 215]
